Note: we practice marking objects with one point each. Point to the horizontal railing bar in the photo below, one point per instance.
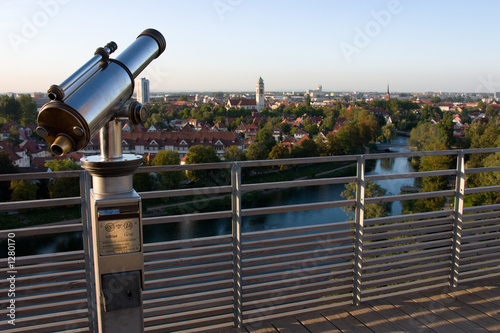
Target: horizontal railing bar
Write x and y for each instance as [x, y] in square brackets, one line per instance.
[407, 232]
[483, 258]
[303, 160]
[481, 223]
[405, 288]
[402, 279]
[187, 217]
[480, 230]
[406, 263]
[479, 170]
[185, 167]
[403, 257]
[42, 230]
[188, 252]
[481, 150]
[408, 217]
[480, 272]
[476, 209]
[179, 308]
[296, 230]
[472, 246]
[413, 196]
[183, 243]
[479, 238]
[411, 175]
[11, 205]
[44, 258]
[407, 225]
[411, 154]
[319, 237]
[178, 271]
[406, 248]
[40, 175]
[402, 274]
[464, 255]
[479, 216]
[172, 291]
[185, 192]
[297, 183]
[474, 190]
[296, 208]
[410, 239]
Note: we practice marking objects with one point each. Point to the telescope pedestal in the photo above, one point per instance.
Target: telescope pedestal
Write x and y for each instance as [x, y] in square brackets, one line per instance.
[115, 210]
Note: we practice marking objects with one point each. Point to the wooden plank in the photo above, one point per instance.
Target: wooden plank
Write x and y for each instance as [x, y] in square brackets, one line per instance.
[479, 216]
[45, 278]
[423, 315]
[317, 323]
[371, 319]
[52, 297]
[51, 267]
[345, 322]
[260, 327]
[481, 305]
[484, 252]
[470, 313]
[481, 223]
[479, 264]
[51, 307]
[405, 288]
[289, 326]
[44, 258]
[398, 317]
[408, 217]
[440, 311]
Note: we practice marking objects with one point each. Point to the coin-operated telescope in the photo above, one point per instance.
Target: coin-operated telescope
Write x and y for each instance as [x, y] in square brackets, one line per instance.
[96, 98]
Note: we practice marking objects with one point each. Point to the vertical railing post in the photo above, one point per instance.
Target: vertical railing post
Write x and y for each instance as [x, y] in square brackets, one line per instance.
[458, 218]
[359, 217]
[85, 185]
[236, 232]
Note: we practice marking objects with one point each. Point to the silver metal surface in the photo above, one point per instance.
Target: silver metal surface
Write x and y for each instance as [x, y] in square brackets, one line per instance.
[139, 54]
[111, 141]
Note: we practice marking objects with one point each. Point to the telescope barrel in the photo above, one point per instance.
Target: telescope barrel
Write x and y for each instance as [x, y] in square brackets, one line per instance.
[83, 73]
[70, 123]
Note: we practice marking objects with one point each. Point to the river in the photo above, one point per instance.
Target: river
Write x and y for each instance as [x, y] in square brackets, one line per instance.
[293, 196]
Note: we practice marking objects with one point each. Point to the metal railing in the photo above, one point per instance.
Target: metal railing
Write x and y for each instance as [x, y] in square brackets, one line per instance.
[216, 282]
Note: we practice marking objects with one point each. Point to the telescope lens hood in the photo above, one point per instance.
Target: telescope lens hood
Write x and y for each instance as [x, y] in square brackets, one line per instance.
[162, 43]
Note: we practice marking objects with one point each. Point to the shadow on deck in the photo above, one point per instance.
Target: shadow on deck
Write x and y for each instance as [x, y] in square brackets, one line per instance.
[472, 307]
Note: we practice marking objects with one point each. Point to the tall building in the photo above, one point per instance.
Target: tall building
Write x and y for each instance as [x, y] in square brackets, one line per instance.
[387, 95]
[143, 90]
[259, 95]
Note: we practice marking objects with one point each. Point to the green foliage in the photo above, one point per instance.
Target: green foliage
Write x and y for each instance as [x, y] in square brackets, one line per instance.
[233, 153]
[172, 179]
[203, 154]
[380, 209]
[308, 148]
[388, 132]
[23, 190]
[6, 166]
[9, 108]
[28, 109]
[256, 151]
[63, 187]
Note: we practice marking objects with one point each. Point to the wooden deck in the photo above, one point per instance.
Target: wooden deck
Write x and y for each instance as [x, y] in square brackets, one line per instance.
[472, 307]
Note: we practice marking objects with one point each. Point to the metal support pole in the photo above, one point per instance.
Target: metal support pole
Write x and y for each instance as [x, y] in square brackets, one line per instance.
[85, 185]
[236, 228]
[359, 217]
[458, 218]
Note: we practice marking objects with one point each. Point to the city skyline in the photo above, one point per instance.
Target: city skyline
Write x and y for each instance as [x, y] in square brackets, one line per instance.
[225, 45]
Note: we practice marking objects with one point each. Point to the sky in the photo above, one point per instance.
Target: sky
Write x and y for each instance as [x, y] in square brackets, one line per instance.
[226, 45]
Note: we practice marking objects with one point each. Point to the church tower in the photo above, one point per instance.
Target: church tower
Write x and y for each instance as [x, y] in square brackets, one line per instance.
[259, 95]
[387, 95]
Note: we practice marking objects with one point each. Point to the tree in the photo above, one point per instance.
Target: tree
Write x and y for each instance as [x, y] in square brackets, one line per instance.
[6, 166]
[63, 187]
[380, 209]
[265, 137]
[435, 99]
[23, 190]
[279, 152]
[171, 179]
[233, 153]
[203, 154]
[388, 132]
[9, 108]
[308, 100]
[256, 151]
[28, 109]
[14, 136]
[143, 181]
[307, 148]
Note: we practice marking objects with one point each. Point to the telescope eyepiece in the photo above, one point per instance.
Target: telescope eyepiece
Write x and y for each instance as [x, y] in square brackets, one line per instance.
[62, 145]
